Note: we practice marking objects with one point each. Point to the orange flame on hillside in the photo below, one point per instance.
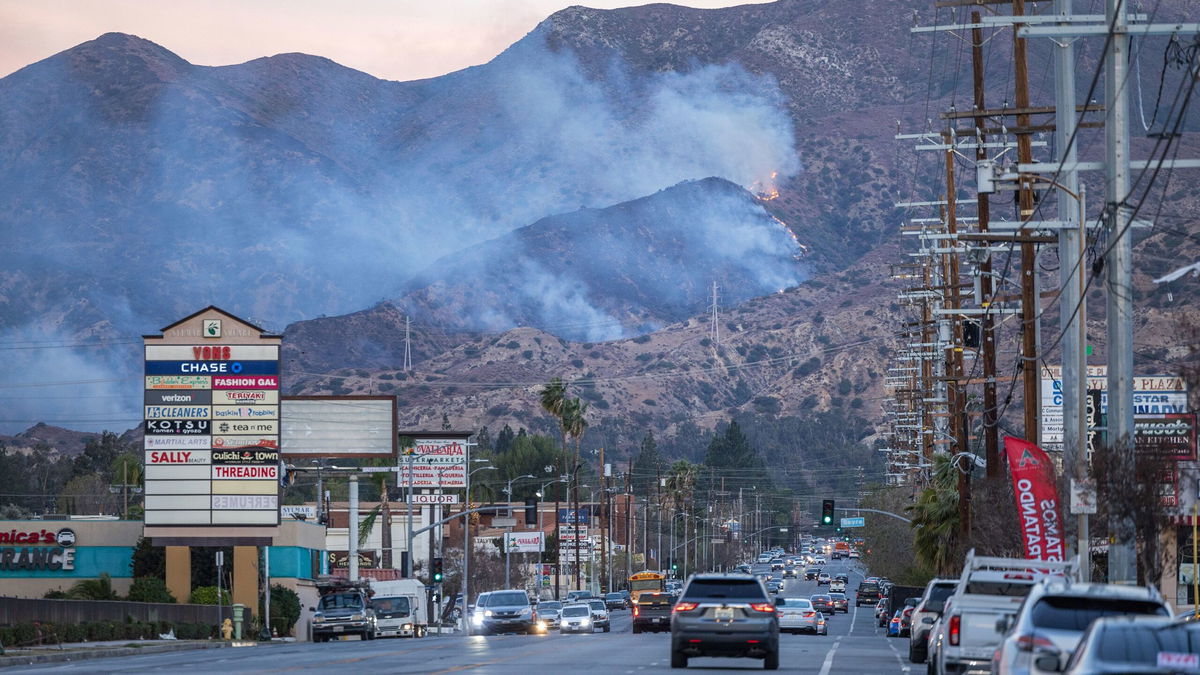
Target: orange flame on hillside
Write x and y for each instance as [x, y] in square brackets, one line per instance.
[766, 190]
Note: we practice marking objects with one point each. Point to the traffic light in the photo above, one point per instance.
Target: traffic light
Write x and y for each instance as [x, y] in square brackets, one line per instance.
[437, 571]
[531, 504]
[674, 566]
[827, 512]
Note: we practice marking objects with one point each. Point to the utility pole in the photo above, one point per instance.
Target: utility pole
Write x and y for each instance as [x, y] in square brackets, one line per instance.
[714, 330]
[603, 518]
[1031, 376]
[1122, 564]
[1072, 308]
[955, 393]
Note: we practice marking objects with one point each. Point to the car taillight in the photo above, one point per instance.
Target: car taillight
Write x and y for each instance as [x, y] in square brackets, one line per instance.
[762, 607]
[1026, 643]
[636, 611]
[686, 606]
[955, 629]
[809, 614]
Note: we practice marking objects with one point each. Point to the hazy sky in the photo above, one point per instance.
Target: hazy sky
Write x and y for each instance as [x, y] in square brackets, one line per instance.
[391, 39]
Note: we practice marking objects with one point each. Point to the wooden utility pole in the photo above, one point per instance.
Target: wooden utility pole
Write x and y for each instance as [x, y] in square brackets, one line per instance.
[987, 334]
[1029, 301]
[955, 394]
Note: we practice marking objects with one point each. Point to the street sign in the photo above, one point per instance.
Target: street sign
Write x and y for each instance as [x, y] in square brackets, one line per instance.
[854, 522]
[504, 522]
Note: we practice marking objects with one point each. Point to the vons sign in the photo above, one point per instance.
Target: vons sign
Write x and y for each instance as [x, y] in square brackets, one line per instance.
[56, 554]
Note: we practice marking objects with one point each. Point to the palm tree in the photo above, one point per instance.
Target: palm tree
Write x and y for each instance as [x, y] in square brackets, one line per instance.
[93, 589]
[554, 400]
[936, 540]
[680, 488]
[575, 422]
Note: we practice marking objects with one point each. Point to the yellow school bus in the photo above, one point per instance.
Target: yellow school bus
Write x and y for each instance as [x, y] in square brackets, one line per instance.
[646, 582]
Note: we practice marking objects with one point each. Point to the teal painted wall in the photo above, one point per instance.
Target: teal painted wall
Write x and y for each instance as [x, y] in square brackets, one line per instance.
[90, 562]
[291, 562]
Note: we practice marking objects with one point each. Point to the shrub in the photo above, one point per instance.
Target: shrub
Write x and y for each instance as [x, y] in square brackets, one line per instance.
[149, 589]
[207, 595]
[285, 609]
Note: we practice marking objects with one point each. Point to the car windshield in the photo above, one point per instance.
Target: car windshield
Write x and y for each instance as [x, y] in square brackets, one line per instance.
[549, 605]
[838, 596]
[391, 605]
[1128, 644]
[868, 588]
[596, 604]
[799, 603]
[341, 601]
[812, 570]
[732, 589]
[821, 598]
[576, 610]
[1011, 589]
[615, 596]
[1066, 613]
[507, 598]
[651, 599]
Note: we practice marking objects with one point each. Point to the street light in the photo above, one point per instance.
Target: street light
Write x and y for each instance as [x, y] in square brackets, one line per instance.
[508, 495]
[466, 525]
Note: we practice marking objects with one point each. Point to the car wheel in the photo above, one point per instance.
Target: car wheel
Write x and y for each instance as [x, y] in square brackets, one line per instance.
[915, 655]
[678, 660]
[637, 629]
[771, 662]
[606, 628]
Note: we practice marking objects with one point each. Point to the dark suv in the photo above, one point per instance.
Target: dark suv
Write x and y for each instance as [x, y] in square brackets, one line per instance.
[504, 612]
[868, 592]
[725, 615]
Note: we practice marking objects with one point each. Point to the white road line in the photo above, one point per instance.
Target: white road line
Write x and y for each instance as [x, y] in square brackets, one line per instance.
[853, 619]
[828, 664]
[903, 666]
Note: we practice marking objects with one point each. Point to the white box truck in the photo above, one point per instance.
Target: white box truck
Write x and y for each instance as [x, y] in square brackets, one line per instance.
[399, 608]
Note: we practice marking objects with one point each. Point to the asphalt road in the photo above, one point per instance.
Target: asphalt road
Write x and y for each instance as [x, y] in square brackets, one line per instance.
[854, 645]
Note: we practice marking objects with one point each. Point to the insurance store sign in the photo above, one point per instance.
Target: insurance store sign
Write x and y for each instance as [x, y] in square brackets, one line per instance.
[211, 414]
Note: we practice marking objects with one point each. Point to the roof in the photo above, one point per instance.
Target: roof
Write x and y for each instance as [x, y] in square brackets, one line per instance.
[214, 308]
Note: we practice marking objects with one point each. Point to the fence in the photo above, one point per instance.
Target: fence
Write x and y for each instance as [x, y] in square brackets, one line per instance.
[62, 612]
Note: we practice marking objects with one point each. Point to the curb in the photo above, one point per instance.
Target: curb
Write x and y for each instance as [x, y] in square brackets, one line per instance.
[53, 657]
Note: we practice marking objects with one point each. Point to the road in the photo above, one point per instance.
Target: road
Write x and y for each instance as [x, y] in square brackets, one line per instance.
[854, 645]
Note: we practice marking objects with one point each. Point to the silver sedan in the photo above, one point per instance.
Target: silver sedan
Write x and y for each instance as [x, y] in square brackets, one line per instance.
[797, 615]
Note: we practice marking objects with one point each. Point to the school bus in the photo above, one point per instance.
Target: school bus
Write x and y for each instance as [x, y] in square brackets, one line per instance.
[646, 582]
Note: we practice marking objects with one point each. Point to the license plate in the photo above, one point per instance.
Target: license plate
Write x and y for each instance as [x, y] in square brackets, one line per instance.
[338, 629]
[657, 619]
[723, 614]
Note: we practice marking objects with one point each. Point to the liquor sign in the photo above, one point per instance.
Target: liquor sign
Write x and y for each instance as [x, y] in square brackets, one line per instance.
[434, 499]
[211, 411]
[434, 463]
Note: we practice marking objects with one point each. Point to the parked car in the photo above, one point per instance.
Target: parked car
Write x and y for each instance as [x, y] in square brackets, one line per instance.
[928, 610]
[895, 624]
[724, 615]
[797, 615]
[1055, 615]
[1130, 644]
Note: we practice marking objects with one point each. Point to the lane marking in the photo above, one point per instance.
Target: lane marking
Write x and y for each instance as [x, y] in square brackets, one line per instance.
[827, 666]
[903, 666]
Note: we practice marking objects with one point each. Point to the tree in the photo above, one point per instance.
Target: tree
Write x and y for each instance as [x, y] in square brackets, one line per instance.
[148, 560]
[730, 454]
[88, 495]
[98, 455]
[93, 589]
[504, 439]
[935, 520]
[285, 609]
[149, 589]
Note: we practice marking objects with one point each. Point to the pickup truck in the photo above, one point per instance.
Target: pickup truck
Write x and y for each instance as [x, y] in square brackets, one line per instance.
[345, 608]
[652, 611]
[989, 592]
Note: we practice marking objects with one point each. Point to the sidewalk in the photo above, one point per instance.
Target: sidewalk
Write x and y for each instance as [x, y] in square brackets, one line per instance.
[80, 651]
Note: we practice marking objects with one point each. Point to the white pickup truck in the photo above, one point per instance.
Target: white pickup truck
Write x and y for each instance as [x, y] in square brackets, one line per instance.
[968, 632]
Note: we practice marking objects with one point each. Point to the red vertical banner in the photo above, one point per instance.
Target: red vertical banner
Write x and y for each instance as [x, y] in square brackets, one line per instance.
[1038, 509]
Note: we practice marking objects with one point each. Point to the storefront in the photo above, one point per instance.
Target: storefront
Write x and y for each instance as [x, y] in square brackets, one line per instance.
[38, 556]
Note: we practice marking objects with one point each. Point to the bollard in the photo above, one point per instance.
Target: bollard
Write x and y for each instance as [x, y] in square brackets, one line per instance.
[238, 609]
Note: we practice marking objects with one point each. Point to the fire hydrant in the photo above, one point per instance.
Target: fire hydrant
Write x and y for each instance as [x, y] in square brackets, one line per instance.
[227, 629]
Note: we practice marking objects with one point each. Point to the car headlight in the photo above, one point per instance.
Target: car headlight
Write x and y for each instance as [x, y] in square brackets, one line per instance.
[526, 612]
[318, 617]
[487, 612]
[584, 621]
[356, 617]
[408, 626]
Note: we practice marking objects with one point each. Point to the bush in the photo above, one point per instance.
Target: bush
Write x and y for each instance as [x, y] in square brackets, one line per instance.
[207, 595]
[150, 589]
[285, 609]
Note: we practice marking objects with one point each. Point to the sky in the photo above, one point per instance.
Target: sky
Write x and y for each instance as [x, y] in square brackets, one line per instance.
[390, 39]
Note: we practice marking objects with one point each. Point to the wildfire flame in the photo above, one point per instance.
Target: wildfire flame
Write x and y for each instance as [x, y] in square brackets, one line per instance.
[766, 190]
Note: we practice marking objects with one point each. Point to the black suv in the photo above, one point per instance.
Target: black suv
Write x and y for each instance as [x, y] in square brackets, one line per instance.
[868, 592]
[725, 615]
